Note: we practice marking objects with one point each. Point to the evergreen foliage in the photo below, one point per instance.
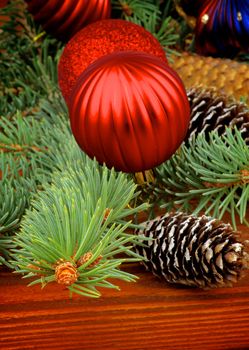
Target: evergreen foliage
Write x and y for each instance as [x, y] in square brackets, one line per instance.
[210, 175]
[22, 146]
[28, 69]
[150, 15]
[81, 212]
[57, 204]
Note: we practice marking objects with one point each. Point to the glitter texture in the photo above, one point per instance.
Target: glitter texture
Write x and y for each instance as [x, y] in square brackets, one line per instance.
[99, 39]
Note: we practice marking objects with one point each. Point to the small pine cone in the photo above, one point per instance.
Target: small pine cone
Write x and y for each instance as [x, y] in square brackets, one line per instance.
[190, 250]
[224, 75]
[86, 257]
[210, 111]
[66, 273]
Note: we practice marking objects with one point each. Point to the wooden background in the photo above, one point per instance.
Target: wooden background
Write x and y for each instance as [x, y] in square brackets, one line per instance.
[148, 314]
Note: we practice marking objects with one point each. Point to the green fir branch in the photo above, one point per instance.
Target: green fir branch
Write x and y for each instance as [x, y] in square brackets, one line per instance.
[69, 220]
[28, 69]
[210, 176]
[23, 88]
[147, 14]
[137, 11]
[166, 35]
[6, 243]
[26, 162]
[14, 190]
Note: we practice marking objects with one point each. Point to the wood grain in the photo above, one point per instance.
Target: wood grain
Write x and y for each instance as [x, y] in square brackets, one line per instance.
[148, 314]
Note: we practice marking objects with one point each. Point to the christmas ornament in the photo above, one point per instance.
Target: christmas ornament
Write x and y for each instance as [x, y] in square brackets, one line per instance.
[211, 111]
[99, 39]
[190, 250]
[222, 27]
[64, 18]
[224, 75]
[129, 110]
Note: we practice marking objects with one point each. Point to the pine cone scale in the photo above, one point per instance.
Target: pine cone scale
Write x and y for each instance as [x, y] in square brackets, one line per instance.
[212, 111]
[196, 251]
[224, 75]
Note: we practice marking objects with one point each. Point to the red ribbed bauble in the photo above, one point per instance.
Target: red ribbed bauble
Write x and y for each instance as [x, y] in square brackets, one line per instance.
[64, 18]
[129, 110]
[99, 39]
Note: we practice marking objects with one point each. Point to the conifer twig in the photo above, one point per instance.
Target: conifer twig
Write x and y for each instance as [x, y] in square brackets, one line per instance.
[68, 223]
[210, 176]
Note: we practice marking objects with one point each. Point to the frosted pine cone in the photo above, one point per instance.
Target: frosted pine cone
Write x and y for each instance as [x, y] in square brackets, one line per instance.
[210, 111]
[190, 250]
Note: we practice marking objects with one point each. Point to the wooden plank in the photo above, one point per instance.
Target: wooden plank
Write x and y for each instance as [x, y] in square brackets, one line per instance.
[148, 314]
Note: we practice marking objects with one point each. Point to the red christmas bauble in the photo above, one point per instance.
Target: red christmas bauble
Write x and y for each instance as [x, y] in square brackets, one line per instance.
[99, 39]
[129, 110]
[64, 18]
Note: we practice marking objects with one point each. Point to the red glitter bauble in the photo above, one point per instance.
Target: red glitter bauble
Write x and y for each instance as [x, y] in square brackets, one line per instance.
[99, 39]
[64, 18]
[129, 110]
